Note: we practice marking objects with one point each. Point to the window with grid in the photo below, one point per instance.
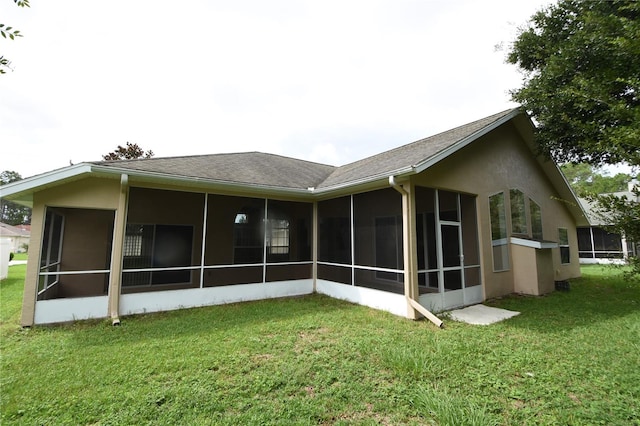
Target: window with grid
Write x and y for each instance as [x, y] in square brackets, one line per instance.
[279, 236]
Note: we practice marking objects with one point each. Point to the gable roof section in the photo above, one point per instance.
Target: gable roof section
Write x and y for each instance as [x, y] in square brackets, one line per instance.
[7, 230]
[248, 168]
[417, 156]
[275, 174]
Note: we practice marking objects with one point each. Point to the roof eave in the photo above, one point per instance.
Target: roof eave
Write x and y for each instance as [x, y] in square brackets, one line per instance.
[21, 191]
[358, 184]
[202, 183]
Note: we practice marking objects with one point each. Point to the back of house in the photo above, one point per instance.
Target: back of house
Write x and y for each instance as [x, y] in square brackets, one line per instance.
[447, 221]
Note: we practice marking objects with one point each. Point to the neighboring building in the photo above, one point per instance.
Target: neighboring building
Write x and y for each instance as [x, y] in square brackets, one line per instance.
[598, 243]
[18, 237]
[447, 221]
[4, 258]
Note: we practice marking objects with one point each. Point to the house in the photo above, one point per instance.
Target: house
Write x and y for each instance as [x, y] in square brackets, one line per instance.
[598, 243]
[18, 236]
[451, 220]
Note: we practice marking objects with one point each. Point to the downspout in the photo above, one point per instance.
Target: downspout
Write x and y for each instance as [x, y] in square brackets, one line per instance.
[410, 266]
[115, 275]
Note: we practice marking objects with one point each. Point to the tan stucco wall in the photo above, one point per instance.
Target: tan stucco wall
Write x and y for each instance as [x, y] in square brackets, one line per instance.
[498, 162]
[532, 270]
[93, 193]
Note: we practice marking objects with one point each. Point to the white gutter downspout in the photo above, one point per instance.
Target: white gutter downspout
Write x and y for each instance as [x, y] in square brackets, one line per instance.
[410, 256]
[115, 275]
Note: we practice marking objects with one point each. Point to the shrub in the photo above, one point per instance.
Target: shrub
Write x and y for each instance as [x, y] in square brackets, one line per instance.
[10, 256]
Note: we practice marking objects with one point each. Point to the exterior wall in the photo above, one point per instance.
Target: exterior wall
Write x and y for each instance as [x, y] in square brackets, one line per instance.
[496, 162]
[93, 193]
[532, 270]
[4, 257]
[16, 244]
[151, 206]
[87, 237]
[393, 303]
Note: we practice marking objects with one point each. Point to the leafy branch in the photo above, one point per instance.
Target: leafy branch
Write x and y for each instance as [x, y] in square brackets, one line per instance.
[11, 33]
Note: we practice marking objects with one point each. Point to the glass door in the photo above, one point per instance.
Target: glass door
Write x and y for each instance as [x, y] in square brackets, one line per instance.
[448, 255]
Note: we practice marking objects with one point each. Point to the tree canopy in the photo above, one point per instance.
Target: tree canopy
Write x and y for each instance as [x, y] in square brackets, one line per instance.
[10, 212]
[129, 152]
[581, 64]
[586, 179]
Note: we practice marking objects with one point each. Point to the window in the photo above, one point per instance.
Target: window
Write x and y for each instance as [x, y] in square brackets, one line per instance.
[157, 246]
[288, 233]
[278, 238]
[563, 242]
[518, 213]
[334, 240]
[536, 220]
[247, 236]
[599, 243]
[388, 244]
[133, 241]
[499, 232]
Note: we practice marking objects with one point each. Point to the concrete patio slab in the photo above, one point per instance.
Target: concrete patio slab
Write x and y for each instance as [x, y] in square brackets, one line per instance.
[481, 314]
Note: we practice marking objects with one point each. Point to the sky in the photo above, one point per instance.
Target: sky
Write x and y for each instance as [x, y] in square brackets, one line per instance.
[330, 81]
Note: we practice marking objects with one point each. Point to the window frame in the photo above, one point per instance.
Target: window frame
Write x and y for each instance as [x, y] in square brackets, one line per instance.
[524, 227]
[150, 268]
[563, 244]
[503, 241]
[533, 235]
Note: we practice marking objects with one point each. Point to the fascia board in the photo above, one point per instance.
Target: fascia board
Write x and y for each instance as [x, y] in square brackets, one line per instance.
[558, 180]
[424, 165]
[355, 184]
[162, 178]
[30, 184]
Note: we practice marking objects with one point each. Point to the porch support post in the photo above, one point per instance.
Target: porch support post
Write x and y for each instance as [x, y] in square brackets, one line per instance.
[115, 275]
[409, 248]
[33, 266]
[410, 253]
[314, 245]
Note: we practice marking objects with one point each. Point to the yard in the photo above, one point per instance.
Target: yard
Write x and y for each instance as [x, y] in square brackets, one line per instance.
[569, 358]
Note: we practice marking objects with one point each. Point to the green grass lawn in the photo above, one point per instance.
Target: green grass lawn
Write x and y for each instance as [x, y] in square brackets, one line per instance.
[569, 358]
[20, 256]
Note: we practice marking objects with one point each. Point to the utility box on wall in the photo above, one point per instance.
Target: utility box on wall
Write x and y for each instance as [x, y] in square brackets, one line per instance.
[532, 266]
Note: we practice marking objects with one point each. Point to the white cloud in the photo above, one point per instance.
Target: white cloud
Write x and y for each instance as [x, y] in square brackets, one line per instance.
[329, 81]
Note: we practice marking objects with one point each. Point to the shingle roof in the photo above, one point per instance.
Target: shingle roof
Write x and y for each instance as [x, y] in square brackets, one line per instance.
[271, 170]
[7, 230]
[254, 168]
[410, 155]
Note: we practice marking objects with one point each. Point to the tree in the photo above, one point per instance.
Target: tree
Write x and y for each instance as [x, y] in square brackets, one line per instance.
[12, 33]
[130, 152]
[581, 65]
[586, 179]
[10, 212]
